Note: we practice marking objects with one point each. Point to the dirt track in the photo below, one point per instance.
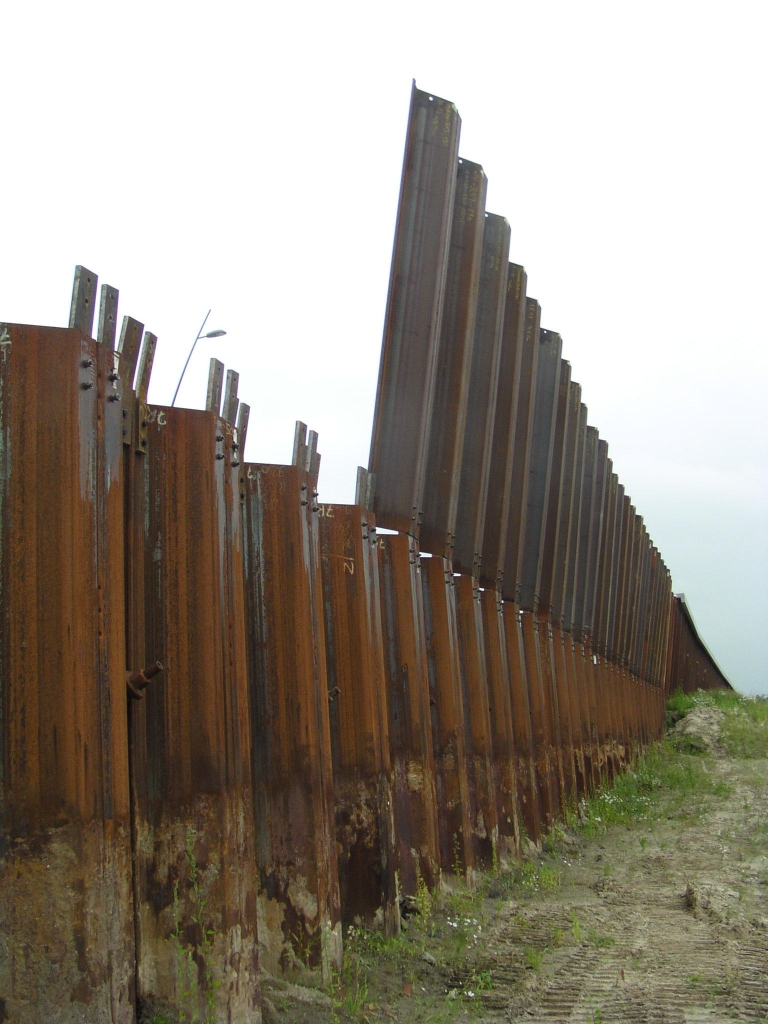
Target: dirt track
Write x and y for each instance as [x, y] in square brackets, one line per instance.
[664, 921]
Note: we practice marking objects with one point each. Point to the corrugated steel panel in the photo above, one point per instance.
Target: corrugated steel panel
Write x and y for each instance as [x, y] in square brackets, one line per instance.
[445, 447]
[413, 320]
[359, 720]
[481, 403]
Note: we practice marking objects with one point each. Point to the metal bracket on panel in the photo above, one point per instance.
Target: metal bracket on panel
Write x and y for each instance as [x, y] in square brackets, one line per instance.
[364, 487]
[215, 381]
[83, 305]
[143, 424]
[313, 456]
[107, 329]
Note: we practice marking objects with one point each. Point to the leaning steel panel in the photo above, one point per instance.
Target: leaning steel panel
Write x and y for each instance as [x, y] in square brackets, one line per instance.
[445, 447]
[414, 313]
[64, 802]
[504, 431]
[518, 485]
[298, 902]
[481, 403]
[540, 467]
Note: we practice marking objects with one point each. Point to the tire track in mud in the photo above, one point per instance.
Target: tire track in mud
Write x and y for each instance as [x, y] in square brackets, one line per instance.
[670, 931]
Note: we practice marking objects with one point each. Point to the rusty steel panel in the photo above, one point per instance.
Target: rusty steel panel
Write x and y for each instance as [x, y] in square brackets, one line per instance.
[298, 900]
[502, 727]
[558, 498]
[413, 319]
[587, 511]
[616, 571]
[504, 430]
[519, 481]
[191, 748]
[567, 736]
[64, 799]
[481, 402]
[529, 802]
[477, 723]
[540, 695]
[575, 700]
[362, 774]
[605, 573]
[83, 307]
[445, 446]
[540, 467]
[107, 329]
[410, 732]
[570, 577]
[447, 715]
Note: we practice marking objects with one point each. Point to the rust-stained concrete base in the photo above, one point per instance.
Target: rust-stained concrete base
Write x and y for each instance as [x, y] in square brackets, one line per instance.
[66, 933]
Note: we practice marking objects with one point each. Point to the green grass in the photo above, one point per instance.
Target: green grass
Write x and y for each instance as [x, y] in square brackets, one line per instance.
[744, 733]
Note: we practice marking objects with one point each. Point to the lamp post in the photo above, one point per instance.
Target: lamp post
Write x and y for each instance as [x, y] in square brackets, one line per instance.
[210, 334]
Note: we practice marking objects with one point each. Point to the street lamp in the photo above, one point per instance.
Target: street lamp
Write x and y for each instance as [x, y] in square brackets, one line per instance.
[210, 334]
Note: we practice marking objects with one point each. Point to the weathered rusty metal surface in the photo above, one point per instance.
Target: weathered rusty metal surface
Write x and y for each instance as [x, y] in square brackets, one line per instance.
[540, 697]
[107, 329]
[447, 716]
[502, 727]
[540, 467]
[481, 403]
[566, 507]
[65, 910]
[497, 507]
[527, 780]
[559, 494]
[83, 307]
[413, 319]
[196, 876]
[298, 901]
[605, 564]
[445, 447]
[568, 737]
[518, 497]
[477, 723]
[362, 773]
[410, 733]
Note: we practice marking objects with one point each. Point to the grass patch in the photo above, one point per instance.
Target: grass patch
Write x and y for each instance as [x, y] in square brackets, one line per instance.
[744, 733]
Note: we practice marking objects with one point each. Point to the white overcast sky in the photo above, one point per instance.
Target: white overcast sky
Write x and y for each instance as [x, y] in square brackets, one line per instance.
[246, 157]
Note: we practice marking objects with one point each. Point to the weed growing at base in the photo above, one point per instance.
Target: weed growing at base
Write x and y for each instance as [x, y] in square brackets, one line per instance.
[745, 731]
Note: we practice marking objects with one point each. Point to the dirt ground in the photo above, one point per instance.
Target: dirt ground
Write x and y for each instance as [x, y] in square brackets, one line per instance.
[664, 920]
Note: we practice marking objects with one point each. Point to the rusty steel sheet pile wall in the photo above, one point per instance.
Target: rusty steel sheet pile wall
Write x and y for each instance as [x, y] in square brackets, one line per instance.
[298, 900]
[235, 720]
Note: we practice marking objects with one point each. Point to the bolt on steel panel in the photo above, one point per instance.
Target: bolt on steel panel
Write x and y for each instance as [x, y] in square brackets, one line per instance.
[502, 727]
[558, 497]
[191, 745]
[413, 320]
[519, 481]
[570, 577]
[502, 449]
[362, 772]
[447, 715]
[477, 723]
[528, 788]
[481, 402]
[587, 512]
[64, 800]
[540, 467]
[299, 912]
[437, 526]
[410, 733]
